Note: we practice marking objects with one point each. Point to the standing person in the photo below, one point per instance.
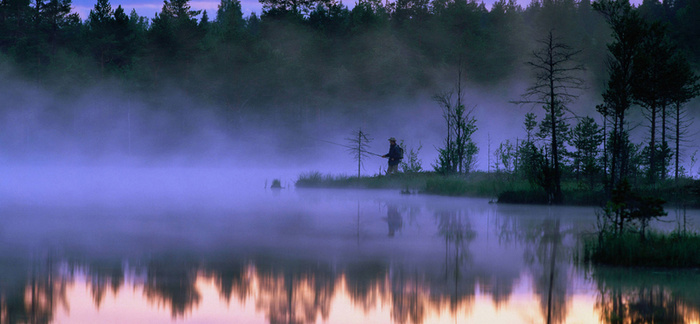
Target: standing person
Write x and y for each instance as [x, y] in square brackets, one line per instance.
[395, 155]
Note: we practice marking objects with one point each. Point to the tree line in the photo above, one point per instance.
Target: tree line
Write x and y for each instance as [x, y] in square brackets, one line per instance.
[306, 54]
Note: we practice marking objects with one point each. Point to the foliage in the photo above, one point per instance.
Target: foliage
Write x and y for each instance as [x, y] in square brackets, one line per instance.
[656, 84]
[627, 33]
[628, 208]
[458, 155]
[505, 156]
[491, 42]
[411, 163]
[586, 138]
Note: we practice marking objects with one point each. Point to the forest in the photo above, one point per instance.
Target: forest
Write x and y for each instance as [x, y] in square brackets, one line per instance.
[302, 62]
[309, 56]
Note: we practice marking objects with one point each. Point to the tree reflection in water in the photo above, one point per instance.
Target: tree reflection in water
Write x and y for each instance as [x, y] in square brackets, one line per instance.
[546, 257]
[298, 291]
[295, 292]
[105, 276]
[549, 269]
[30, 292]
[367, 283]
[172, 283]
[633, 296]
[456, 229]
[411, 279]
[233, 278]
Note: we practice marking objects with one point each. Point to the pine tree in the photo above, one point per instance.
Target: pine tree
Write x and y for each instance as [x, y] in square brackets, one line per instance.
[101, 35]
[627, 34]
[586, 138]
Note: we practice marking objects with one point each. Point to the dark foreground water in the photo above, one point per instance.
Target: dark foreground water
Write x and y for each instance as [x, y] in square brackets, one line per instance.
[129, 249]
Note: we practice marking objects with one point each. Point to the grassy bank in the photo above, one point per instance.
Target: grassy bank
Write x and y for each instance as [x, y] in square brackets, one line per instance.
[506, 188]
[403, 181]
[476, 184]
[663, 250]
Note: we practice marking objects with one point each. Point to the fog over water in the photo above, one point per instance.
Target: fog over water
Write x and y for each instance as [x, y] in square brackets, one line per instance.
[113, 201]
[146, 199]
[109, 126]
[179, 248]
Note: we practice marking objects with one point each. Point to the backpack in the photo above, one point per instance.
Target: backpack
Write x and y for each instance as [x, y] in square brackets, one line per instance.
[399, 151]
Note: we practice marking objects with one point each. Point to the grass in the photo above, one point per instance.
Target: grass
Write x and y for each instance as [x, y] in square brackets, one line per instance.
[505, 187]
[659, 250]
[413, 181]
[476, 184]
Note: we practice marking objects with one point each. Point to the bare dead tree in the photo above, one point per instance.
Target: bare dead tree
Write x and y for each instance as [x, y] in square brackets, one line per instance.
[358, 147]
[555, 83]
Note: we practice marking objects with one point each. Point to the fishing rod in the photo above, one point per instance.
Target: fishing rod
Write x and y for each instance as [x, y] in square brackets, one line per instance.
[348, 147]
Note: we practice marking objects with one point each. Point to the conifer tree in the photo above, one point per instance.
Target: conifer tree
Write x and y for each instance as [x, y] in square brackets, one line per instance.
[627, 34]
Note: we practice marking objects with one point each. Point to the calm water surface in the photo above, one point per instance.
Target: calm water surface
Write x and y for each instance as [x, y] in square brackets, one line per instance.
[187, 252]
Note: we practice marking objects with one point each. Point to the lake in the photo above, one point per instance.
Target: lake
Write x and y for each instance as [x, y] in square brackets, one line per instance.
[201, 246]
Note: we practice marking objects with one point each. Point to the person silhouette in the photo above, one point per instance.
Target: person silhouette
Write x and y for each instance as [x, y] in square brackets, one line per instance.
[394, 156]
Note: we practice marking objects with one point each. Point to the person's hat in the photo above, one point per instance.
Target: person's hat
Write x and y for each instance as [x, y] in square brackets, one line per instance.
[391, 139]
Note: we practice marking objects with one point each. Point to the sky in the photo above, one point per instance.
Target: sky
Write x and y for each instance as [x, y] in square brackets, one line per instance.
[148, 8]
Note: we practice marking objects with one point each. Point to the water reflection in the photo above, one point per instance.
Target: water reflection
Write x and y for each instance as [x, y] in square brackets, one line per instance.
[298, 291]
[547, 257]
[633, 296]
[30, 293]
[295, 292]
[367, 283]
[418, 262]
[459, 286]
[104, 277]
[549, 267]
[393, 219]
[172, 283]
[233, 279]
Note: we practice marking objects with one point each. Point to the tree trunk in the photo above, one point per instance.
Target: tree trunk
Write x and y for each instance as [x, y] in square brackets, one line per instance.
[664, 144]
[552, 110]
[652, 147]
[678, 138]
